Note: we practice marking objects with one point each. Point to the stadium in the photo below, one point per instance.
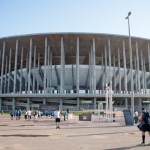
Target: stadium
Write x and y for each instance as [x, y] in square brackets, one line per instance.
[72, 70]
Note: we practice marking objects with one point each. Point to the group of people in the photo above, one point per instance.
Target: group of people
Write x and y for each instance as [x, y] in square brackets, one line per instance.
[15, 114]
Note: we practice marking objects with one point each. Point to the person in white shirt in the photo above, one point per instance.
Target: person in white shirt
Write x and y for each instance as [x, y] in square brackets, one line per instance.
[29, 114]
[57, 118]
[136, 117]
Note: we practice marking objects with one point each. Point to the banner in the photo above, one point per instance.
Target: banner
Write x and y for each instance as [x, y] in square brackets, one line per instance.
[85, 117]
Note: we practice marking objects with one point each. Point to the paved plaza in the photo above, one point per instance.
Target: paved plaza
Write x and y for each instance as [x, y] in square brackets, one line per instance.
[73, 135]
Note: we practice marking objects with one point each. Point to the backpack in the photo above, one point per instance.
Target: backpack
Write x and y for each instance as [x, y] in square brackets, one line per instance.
[146, 118]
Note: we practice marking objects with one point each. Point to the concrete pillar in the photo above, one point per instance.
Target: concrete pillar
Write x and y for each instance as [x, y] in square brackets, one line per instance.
[77, 67]
[21, 70]
[125, 69]
[50, 73]
[142, 72]
[62, 73]
[9, 70]
[102, 75]
[114, 74]
[106, 81]
[2, 68]
[145, 83]
[5, 88]
[126, 103]
[28, 103]
[30, 63]
[94, 67]
[138, 71]
[78, 103]
[109, 52]
[94, 103]
[61, 103]
[90, 74]
[15, 71]
[135, 75]
[0, 103]
[34, 65]
[44, 101]
[45, 62]
[38, 73]
[26, 78]
[13, 103]
[119, 70]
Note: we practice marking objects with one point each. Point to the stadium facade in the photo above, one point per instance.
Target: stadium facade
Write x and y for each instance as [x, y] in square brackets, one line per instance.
[70, 69]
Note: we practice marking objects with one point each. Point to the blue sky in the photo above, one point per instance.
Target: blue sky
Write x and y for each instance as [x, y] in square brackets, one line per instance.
[94, 16]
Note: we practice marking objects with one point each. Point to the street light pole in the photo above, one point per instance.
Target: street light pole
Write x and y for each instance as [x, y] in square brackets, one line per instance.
[130, 49]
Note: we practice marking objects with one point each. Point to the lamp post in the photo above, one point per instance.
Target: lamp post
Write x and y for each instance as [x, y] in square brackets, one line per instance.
[130, 49]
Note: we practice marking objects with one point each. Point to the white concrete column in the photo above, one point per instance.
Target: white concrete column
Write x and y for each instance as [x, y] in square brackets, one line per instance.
[26, 78]
[106, 81]
[13, 103]
[94, 103]
[77, 67]
[2, 68]
[78, 103]
[28, 103]
[142, 72]
[34, 65]
[15, 71]
[30, 63]
[38, 73]
[5, 88]
[44, 101]
[109, 52]
[21, 70]
[62, 73]
[45, 62]
[61, 103]
[125, 69]
[114, 74]
[94, 67]
[126, 103]
[138, 71]
[102, 75]
[119, 70]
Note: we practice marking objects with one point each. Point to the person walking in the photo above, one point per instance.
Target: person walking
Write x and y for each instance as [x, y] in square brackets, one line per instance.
[11, 114]
[144, 119]
[57, 118]
[64, 114]
[35, 115]
[29, 114]
[136, 117]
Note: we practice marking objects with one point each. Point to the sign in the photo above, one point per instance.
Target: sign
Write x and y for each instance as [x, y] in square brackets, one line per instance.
[128, 117]
[49, 108]
[85, 117]
[86, 102]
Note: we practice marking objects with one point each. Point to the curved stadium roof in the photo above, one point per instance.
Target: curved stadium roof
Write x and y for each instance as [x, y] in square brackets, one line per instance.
[70, 42]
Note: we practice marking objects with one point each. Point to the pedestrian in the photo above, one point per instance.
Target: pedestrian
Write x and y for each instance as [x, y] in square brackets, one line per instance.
[35, 115]
[136, 117]
[64, 114]
[39, 114]
[29, 114]
[19, 114]
[57, 118]
[144, 119]
[25, 116]
[16, 112]
[11, 114]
